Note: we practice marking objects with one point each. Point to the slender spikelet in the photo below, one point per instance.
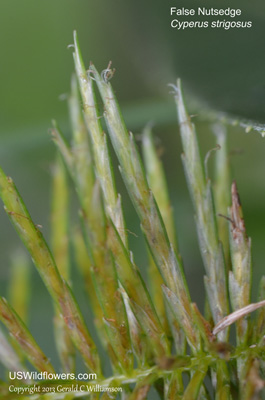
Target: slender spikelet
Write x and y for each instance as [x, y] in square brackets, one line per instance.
[204, 327]
[60, 247]
[139, 298]
[80, 167]
[176, 329]
[182, 315]
[139, 341]
[23, 338]
[157, 339]
[30, 235]
[44, 262]
[201, 194]
[99, 143]
[240, 276]
[84, 264]
[157, 182]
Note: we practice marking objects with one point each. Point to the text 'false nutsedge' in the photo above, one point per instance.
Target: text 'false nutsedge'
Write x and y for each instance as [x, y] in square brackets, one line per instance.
[228, 12]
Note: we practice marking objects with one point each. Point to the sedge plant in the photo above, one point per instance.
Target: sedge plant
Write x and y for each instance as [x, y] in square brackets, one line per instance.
[154, 339]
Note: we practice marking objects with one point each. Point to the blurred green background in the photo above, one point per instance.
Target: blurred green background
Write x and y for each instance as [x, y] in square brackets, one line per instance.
[221, 69]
